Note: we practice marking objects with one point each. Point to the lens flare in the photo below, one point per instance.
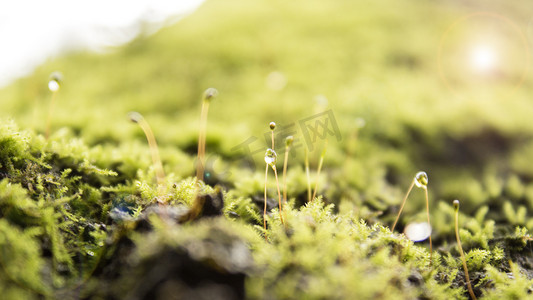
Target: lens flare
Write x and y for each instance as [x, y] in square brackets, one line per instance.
[483, 58]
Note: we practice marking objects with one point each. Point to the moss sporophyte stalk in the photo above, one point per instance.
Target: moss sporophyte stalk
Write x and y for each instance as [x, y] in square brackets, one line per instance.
[137, 118]
[209, 95]
[199, 200]
[307, 175]
[461, 252]
[270, 160]
[421, 181]
[288, 143]
[320, 162]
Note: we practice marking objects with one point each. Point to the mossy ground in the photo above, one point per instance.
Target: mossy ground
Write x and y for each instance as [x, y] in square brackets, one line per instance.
[83, 217]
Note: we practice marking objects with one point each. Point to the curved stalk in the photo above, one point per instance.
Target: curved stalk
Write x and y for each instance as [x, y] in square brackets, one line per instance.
[465, 268]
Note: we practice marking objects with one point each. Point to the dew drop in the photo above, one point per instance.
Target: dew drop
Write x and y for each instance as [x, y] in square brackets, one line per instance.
[54, 82]
[417, 232]
[270, 157]
[456, 204]
[272, 125]
[53, 86]
[421, 180]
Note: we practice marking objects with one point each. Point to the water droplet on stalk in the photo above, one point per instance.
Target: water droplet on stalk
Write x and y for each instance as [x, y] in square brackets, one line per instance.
[53, 86]
[456, 204]
[270, 157]
[54, 82]
[421, 180]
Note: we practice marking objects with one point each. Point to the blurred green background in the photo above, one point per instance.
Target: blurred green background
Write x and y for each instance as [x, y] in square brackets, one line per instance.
[438, 86]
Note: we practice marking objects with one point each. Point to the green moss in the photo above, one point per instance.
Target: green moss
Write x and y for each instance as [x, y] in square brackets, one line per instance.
[14, 146]
[21, 262]
[57, 199]
[513, 285]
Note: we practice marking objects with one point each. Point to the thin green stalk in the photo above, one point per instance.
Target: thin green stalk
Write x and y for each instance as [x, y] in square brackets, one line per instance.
[279, 194]
[288, 142]
[209, 94]
[201, 141]
[403, 204]
[272, 127]
[285, 175]
[308, 176]
[199, 201]
[465, 268]
[429, 223]
[154, 150]
[265, 210]
[320, 162]
[421, 181]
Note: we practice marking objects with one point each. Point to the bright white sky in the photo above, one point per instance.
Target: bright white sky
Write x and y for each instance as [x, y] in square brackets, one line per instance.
[32, 31]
